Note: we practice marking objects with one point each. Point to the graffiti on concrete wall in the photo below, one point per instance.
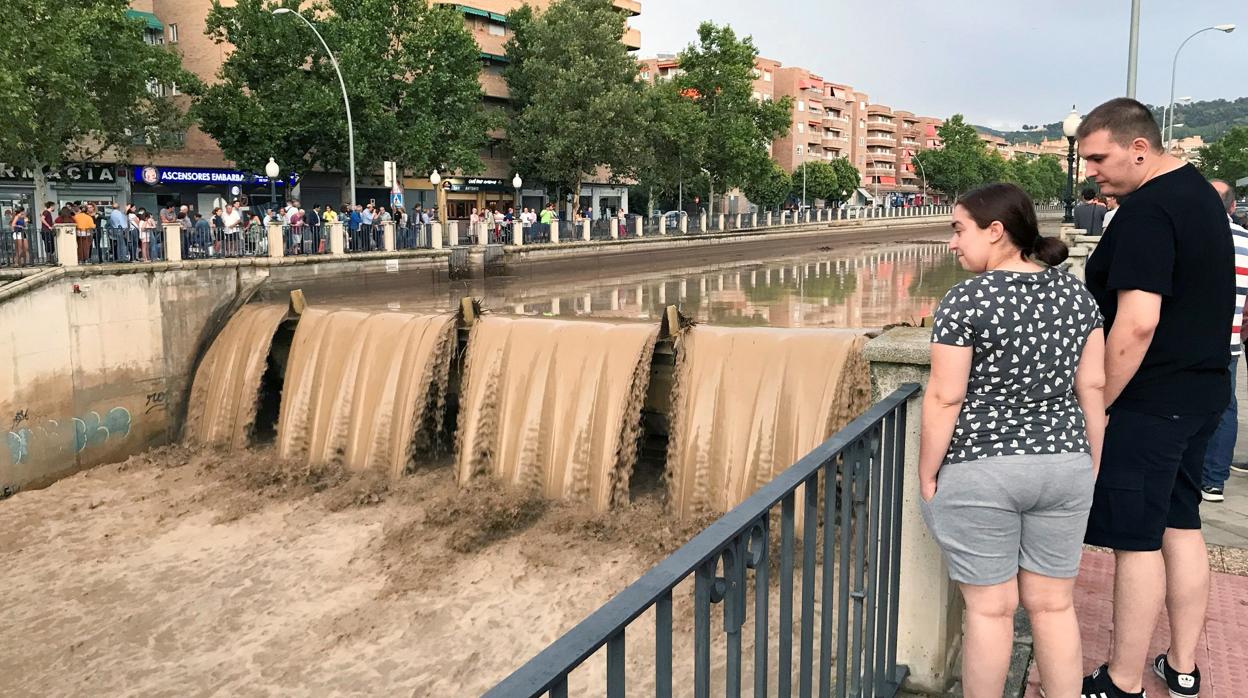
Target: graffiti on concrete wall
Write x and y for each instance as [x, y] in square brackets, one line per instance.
[71, 436]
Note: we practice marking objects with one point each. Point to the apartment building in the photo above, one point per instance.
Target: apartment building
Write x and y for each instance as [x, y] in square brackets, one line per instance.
[199, 174]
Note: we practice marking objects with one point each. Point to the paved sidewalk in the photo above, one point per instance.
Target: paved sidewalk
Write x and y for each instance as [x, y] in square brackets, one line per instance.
[1226, 523]
[1224, 674]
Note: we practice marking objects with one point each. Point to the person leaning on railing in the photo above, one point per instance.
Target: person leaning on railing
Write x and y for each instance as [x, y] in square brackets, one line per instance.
[84, 230]
[1013, 423]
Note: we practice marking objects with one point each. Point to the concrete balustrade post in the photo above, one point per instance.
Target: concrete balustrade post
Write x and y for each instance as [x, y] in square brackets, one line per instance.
[453, 232]
[173, 242]
[684, 223]
[719, 222]
[517, 233]
[638, 229]
[784, 218]
[66, 245]
[738, 222]
[613, 228]
[387, 236]
[585, 230]
[338, 239]
[662, 225]
[767, 219]
[277, 245]
[929, 625]
[554, 231]
[435, 236]
[702, 222]
[483, 234]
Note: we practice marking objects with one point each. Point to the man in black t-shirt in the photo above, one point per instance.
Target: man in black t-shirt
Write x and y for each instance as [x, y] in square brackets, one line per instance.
[1163, 275]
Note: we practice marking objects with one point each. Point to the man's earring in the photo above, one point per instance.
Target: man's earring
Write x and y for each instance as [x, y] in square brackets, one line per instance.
[1140, 159]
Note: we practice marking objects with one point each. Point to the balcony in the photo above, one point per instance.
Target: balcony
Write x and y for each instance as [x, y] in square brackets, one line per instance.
[875, 124]
[880, 171]
[881, 157]
[836, 121]
[884, 141]
[632, 7]
[874, 109]
[837, 142]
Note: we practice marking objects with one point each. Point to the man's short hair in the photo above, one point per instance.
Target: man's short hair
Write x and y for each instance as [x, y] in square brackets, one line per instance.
[1228, 195]
[1088, 193]
[1125, 119]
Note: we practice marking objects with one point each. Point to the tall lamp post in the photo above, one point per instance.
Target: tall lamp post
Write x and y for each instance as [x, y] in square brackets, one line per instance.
[345, 102]
[1070, 127]
[271, 170]
[516, 183]
[436, 180]
[1174, 68]
[1167, 114]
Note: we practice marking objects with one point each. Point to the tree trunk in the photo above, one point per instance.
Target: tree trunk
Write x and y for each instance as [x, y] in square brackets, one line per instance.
[43, 192]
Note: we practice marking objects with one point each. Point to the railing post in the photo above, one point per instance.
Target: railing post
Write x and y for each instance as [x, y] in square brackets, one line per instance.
[684, 223]
[613, 228]
[720, 222]
[702, 222]
[277, 245]
[554, 231]
[585, 230]
[387, 236]
[662, 225]
[638, 228]
[173, 241]
[453, 232]
[337, 243]
[66, 245]
[929, 612]
[517, 233]
[738, 221]
[767, 220]
[435, 235]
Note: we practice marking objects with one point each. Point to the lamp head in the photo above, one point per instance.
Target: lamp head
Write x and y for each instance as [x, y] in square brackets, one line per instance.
[272, 169]
[1070, 125]
[435, 179]
[282, 11]
[516, 181]
[1228, 28]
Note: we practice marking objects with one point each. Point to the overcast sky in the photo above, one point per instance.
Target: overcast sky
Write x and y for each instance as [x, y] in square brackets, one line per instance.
[1002, 63]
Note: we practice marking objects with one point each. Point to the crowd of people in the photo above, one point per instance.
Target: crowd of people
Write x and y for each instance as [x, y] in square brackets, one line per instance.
[1063, 411]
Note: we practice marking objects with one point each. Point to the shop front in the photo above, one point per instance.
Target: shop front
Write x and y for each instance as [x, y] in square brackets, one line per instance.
[204, 189]
[462, 195]
[98, 183]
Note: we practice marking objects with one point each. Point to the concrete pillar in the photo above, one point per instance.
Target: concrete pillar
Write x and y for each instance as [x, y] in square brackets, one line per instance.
[637, 294]
[683, 289]
[753, 278]
[684, 223]
[613, 227]
[588, 302]
[173, 242]
[615, 299]
[435, 236]
[554, 306]
[784, 218]
[662, 293]
[662, 225]
[387, 236]
[702, 286]
[453, 231]
[338, 242]
[66, 245]
[554, 231]
[585, 234]
[638, 229]
[702, 222]
[719, 283]
[483, 234]
[518, 309]
[277, 246]
[719, 223]
[738, 221]
[767, 219]
[517, 233]
[930, 608]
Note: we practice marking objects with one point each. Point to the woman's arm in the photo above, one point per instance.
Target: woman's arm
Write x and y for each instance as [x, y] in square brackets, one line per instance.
[1090, 391]
[942, 401]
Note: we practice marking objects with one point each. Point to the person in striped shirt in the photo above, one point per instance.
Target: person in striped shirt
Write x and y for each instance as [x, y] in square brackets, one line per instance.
[1221, 447]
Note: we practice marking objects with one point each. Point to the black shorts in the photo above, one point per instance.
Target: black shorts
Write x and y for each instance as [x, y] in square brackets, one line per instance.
[1150, 478]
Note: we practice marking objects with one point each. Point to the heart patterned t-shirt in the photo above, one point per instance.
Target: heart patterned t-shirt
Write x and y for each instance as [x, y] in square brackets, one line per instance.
[1027, 331]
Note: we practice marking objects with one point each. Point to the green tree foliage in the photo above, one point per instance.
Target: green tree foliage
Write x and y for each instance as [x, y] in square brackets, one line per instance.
[74, 86]
[1042, 178]
[1227, 157]
[675, 141]
[963, 162]
[718, 72]
[410, 71]
[829, 181]
[769, 187]
[1210, 120]
[578, 104]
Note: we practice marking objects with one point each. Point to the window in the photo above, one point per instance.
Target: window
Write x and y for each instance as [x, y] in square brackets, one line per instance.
[801, 105]
[496, 29]
[801, 128]
[766, 76]
[861, 140]
[799, 150]
[645, 75]
[173, 33]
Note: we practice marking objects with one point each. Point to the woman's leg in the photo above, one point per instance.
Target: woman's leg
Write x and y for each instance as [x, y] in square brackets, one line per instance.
[23, 257]
[1050, 603]
[988, 638]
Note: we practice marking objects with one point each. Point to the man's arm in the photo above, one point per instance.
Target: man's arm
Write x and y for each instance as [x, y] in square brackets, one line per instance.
[1129, 339]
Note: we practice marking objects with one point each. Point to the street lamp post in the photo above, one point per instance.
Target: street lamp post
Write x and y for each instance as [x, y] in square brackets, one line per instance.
[1174, 68]
[1167, 114]
[440, 196]
[345, 102]
[516, 183]
[1070, 127]
[271, 170]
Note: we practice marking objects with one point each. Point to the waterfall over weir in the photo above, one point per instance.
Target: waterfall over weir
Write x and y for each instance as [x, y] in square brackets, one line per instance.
[555, 405]
[750, 402]
[224, 396]
[366, 389]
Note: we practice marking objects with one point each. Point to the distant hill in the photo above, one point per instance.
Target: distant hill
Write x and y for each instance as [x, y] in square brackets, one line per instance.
[1209, 120]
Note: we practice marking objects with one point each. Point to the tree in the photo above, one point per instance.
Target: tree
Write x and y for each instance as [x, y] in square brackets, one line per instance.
[769, 187]
[829, 181]
[675, 142]
[718, 72]
[963, 162]
[78, 82]
[1049, 178]
[1227, 157]
[578, 104]
[410, 71]
[848, 178]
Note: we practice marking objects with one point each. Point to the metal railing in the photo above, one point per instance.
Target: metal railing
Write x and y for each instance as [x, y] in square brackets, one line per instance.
[414, 236]
[217, 242]
[27, 247]
[107, 245]
[367, 237]
[308, 239]
[853, 535]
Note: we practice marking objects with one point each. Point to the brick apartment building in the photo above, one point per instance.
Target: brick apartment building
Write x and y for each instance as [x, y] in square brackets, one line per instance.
[199, 174]
[832, 120]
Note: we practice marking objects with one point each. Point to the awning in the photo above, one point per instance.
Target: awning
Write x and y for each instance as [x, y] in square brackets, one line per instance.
[152, 23]
[888, 180]
[493, 16]
[493, 57]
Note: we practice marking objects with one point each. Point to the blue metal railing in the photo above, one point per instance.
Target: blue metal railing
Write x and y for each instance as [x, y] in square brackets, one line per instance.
[861, 466]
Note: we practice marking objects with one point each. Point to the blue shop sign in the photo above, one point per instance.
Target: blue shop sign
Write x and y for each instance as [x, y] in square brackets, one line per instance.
[194, 175]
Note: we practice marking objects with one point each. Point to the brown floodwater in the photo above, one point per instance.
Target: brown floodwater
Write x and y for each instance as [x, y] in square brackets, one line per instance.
[862, 285]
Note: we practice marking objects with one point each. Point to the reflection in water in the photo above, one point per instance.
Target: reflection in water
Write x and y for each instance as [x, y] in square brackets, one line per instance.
[868, 286]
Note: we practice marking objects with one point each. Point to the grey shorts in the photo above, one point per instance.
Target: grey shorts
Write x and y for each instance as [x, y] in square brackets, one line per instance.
[995, 515]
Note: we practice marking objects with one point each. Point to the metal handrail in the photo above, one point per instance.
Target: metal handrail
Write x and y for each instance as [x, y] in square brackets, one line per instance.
[548, 670]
